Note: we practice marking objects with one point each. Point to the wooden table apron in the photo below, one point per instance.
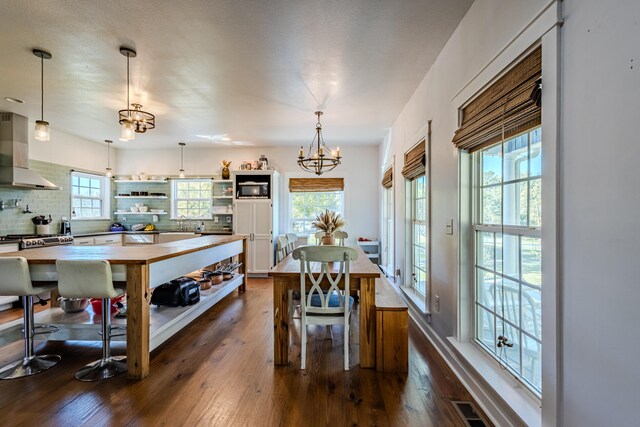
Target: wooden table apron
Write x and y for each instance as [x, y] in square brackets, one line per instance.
[286, 276]
[143, 268]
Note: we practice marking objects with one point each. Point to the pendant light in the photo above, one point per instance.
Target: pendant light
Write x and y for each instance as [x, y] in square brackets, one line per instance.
[134, 120]
[42, 132]
[320, 158]
[181, 144]
[109, 173]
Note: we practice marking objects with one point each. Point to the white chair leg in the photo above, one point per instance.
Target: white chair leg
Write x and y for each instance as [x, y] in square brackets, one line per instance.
[346, 346]
[303, 348]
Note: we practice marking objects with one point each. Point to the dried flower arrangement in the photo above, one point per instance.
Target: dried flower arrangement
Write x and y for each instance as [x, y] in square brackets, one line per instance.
[328, 221]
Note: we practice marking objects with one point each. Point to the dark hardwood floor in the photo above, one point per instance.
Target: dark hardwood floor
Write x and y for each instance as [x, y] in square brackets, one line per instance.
[219, 372]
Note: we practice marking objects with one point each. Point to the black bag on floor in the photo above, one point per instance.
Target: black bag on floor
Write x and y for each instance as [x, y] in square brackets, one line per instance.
[180, 292]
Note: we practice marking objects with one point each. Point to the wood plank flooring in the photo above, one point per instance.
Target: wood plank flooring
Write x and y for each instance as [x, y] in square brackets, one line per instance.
[219, 372]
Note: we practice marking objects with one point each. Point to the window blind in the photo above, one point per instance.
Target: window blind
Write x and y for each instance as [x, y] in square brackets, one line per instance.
[414, 162]
[512, 101]
[387, 178]
[315, 184]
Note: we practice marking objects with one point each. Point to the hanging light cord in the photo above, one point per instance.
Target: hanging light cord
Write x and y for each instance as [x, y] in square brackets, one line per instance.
[42, 88]
[128, 110]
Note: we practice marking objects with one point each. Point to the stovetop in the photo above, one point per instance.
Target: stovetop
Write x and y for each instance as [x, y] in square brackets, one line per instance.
[30, 241]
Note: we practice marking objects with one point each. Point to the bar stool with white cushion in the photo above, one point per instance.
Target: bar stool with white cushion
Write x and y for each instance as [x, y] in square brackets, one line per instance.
[16, 280]
[92, 279]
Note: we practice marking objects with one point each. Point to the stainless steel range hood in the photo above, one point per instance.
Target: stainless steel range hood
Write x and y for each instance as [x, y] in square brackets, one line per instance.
[14, 155]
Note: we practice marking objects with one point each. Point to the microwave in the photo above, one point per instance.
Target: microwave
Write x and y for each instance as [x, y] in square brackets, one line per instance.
[253, 190]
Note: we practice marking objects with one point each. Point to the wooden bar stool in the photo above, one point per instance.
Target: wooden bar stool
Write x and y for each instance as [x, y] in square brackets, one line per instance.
[92, 279]
[16, 280]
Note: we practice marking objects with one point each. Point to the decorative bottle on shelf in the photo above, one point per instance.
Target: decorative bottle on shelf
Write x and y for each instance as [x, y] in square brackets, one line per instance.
[225, 169]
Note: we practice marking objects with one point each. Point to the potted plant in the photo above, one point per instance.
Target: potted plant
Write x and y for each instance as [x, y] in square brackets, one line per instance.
[328, 222]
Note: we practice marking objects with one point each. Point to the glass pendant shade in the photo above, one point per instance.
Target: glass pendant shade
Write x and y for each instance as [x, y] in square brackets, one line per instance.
[126, 131]
[181, 174]
[41, 132]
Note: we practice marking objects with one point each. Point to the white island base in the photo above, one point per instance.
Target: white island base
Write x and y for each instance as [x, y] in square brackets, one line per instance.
[85, 325]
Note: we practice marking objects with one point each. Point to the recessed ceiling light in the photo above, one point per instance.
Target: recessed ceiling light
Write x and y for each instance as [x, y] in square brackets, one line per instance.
[14, 100]
[226, 138]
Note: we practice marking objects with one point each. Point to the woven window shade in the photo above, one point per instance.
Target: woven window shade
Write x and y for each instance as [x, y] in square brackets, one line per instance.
[298, 185]
[387, 178]
[512, 99]
[414, 162]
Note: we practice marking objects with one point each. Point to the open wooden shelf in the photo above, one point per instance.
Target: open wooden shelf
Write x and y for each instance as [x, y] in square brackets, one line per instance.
[84, 325]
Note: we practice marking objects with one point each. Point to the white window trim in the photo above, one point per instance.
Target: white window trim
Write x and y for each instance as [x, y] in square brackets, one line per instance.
[174, 216]
[105, 197]
[286, 205]
[545, 26]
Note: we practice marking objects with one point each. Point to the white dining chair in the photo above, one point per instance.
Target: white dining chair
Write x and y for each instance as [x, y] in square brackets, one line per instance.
[325, 307]
[292, 239]
[340, 237]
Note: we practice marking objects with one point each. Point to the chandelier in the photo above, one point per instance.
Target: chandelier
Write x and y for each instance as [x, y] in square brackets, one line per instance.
[134, 120]
[319, 158]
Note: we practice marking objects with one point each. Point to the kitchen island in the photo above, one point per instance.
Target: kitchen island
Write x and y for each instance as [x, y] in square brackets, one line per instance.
[144, 268]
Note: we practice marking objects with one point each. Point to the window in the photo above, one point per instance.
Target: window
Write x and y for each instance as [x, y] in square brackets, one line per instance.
[304, 206]
[191, 198]
[418, 201]
[507, 254]
[90, 196]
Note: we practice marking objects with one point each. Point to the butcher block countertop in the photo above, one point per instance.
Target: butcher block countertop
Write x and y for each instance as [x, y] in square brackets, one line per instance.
[124, 254]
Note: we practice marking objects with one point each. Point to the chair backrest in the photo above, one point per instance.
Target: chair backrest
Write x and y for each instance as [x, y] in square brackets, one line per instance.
[281, 247]
[85, 279]
[340, 237]
[292, 239]
[318, 237]
[14, 277]
[336, 258]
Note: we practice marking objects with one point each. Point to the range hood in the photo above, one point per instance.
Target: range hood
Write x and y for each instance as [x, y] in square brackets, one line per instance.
[14, 155]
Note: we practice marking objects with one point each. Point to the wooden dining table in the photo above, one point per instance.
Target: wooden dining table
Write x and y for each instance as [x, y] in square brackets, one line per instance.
[286, 277]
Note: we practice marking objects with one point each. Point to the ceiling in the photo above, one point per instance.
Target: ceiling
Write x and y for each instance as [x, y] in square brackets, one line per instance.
[252, 72]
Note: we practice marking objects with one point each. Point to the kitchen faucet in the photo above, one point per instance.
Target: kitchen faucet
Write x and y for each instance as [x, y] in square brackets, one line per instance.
[181, 220]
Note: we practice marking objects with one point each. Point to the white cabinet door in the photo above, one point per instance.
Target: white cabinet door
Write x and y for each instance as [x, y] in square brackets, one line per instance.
[83, 241]
[5, 301]
[262, 218]
[108, 240]
[255, 219]
[243, 217]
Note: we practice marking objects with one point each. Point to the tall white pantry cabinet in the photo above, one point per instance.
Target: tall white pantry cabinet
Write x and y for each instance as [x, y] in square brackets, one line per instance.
[257, 218]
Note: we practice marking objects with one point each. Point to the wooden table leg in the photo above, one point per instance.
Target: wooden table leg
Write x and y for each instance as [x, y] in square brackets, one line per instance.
[138, 298]
[280, 321]
[244, 259]
[367, 323]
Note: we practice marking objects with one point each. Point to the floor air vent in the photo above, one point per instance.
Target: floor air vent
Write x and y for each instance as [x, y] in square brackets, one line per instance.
[468, 413]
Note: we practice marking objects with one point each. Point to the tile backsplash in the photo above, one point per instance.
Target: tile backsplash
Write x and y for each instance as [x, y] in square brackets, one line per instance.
[56, 203]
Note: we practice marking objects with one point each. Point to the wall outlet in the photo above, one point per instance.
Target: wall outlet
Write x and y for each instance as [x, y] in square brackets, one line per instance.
[215, 219]
[437, 303]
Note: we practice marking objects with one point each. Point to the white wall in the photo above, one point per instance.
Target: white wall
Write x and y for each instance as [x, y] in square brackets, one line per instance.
[70, 150]
[470, 49]
[359, 168]
[601, 201]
